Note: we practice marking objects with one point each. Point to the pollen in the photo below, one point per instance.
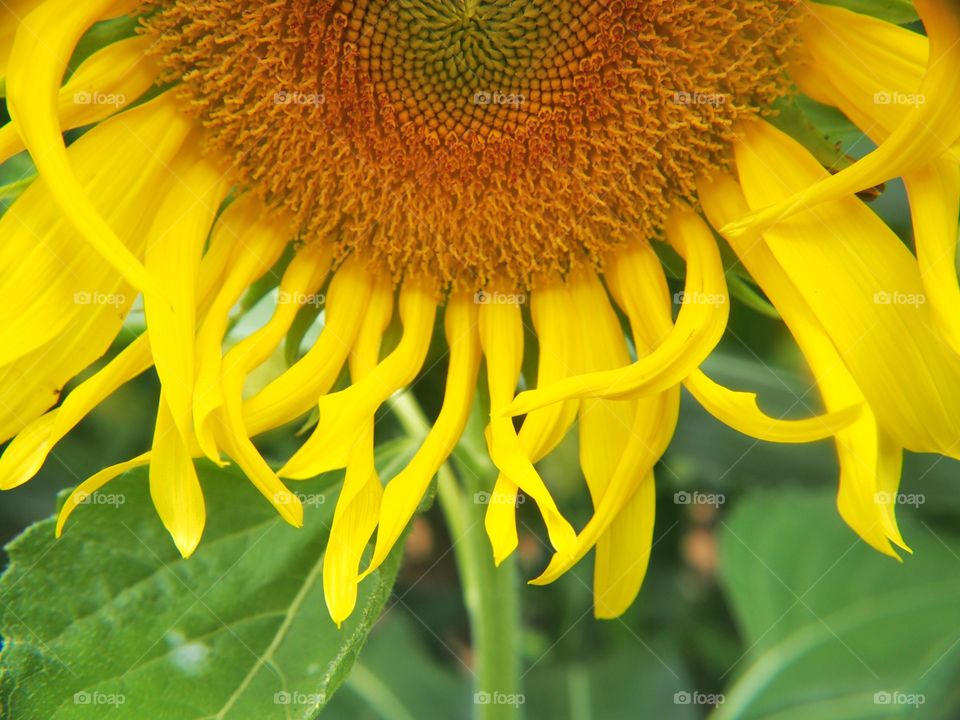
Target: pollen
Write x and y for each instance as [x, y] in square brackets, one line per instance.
[465, 141]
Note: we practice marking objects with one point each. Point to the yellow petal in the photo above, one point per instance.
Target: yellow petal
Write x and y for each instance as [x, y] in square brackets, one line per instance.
[353, 524]
[41, 50]
[258, 240]
[304, 275]
[700, 324]
[404, 492]
[174, 485]
[935, 206]
[620, 441]
[25, 455]
[88, 487]
[316, 456]
[869, 461]
[929, 130]
[174, 249]
[295, 391]
[343, 415]
[865, 289]
[61, 305]
[11, 12]
[358, 507]
[501, 335]
[106, 82]
[551, 306]
[739, 410]
[623, 554]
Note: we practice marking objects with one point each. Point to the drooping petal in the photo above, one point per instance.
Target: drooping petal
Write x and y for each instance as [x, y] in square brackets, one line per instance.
[865, 289]
[61, 305]
[304, 275]
[869, 460]
[700, 325]
[295, 391]
[174, 485]
[358, 507]
[621, 441]
[41, 50]
[935, 206]
[91, 485]
[404, 492]
[551, 307]
[501, 335]
[928, 131]
[258, 240]
[175, 246]
[104, 84]
[343, 415]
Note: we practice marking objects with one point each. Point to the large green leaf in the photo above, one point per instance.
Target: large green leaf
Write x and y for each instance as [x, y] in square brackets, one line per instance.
[832, 628]
[110, 620]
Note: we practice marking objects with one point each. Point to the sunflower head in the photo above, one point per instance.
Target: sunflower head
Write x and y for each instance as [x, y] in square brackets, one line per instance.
[464, 141]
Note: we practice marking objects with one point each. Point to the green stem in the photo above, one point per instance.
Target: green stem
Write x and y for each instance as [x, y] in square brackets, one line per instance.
[491, 594]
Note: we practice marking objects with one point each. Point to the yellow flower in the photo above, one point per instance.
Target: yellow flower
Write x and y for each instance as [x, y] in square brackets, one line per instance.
[494, 163]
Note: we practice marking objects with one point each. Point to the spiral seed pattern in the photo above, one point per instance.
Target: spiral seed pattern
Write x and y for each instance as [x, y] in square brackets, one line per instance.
[473, 140]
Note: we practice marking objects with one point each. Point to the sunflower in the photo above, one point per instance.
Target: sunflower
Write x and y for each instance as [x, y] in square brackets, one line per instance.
[508, 171]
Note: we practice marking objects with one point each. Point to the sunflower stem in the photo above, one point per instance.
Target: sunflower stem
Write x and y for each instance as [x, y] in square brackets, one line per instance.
[491, 594]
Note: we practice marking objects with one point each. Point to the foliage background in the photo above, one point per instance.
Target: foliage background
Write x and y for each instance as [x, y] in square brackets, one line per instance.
[767, 601]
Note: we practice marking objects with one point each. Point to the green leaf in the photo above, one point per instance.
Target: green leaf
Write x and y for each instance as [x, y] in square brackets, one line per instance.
[900, 12]
[398, 679]
[109, 620]
[832, 628]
